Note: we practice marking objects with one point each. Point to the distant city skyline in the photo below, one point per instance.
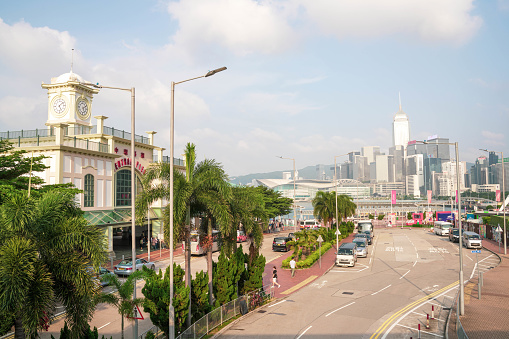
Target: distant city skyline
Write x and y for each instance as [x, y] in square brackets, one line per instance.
[306, 79]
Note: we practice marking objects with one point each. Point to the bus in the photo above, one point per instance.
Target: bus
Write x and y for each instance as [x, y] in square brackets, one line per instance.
[309, 224]
[197, 247]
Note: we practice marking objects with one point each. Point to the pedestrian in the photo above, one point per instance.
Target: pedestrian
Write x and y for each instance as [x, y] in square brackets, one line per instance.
[292, 266]
[141, 243]
[274, 278]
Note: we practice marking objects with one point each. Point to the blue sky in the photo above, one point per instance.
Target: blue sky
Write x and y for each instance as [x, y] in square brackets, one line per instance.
[306, 79]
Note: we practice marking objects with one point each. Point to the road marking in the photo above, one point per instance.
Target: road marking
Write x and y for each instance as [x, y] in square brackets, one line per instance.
[414, 264]
[414, 329]
[340, 308]
[381, 290]
[104, 325]
[469, 258]
[304, 332]
[299, 285]
[398, 313]
[337, 270]
[404, 274]
[282, 301]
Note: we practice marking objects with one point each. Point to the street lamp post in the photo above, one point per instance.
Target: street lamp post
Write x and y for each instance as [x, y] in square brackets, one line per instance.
[171, 315]
[294, 197]
[336, 191]
[461, 281]
[133, 187]
[503, 197]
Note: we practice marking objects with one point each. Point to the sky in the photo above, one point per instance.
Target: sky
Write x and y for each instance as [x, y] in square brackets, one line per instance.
[306, 79]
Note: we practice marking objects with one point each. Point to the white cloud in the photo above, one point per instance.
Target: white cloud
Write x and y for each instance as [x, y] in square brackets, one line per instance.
[428, 20]
[18, 112]
[241, 26]
[24, 48]
[492, 138]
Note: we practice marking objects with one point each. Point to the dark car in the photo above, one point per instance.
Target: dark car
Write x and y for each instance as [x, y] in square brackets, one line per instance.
[364, 235]
[454, 235]
[279, 243]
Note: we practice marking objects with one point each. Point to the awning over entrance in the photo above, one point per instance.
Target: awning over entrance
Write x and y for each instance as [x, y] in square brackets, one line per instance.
[109, 217]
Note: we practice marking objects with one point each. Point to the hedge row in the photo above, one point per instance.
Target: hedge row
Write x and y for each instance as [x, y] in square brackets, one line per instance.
[310, 260]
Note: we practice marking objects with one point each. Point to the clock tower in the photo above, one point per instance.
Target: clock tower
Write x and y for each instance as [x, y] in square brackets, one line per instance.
[69, 101]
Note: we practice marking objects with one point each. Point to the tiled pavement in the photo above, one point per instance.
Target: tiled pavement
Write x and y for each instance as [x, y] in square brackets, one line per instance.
[488, 317]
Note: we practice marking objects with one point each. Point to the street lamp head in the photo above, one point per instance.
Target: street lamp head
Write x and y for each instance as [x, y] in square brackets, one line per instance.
[217, 70]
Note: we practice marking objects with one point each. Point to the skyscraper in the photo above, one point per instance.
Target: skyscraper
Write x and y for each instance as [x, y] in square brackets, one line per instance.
[400, 128]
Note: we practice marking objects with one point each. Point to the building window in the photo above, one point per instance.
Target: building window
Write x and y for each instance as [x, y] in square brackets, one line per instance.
[123, 188]
[89, 191]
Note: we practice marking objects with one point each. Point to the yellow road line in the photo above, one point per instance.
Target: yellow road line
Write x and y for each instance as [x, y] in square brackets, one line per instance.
[406, 308]
[299, 285]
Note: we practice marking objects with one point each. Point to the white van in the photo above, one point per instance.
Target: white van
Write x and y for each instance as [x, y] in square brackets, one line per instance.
[365, 225]
[471, 240]
[347, 254]
[442, 227]
[309, 224]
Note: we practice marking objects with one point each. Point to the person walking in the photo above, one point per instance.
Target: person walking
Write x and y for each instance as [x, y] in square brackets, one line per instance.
[274, 278]
[292, 266]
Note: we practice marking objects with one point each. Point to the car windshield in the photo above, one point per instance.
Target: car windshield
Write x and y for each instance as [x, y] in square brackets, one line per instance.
[361, 246]
[125, 263]
[279, 240]
[473, 236]
[455, 232]
[345, 251]
[361, 235]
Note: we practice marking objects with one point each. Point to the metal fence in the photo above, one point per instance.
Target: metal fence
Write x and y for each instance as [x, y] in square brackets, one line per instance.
[455, 328]
[218, 316]
[47, 132]
[124, 135]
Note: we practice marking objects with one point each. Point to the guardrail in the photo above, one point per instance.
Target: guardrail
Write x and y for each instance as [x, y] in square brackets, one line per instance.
[218, 316]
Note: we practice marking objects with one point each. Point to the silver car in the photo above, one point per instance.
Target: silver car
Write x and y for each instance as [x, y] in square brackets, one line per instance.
[362, 247]
[125, 267]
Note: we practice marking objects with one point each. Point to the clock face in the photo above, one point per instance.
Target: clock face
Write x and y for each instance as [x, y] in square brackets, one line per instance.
[59, 106]
[82, 108]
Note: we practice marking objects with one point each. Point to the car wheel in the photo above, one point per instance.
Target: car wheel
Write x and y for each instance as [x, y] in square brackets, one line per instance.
[153, 267]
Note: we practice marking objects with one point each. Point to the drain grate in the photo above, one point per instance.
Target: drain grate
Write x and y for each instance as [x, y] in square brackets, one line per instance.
[262, 311]
[350, 293]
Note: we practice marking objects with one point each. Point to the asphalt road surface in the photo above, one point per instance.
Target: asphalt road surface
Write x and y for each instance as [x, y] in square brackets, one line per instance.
[386, 295]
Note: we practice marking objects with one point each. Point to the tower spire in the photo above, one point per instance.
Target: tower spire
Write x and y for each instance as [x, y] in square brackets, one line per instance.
[72, 58]
[399, 94]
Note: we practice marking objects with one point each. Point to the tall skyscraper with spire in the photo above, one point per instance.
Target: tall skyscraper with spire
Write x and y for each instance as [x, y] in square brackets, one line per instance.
[400, 128]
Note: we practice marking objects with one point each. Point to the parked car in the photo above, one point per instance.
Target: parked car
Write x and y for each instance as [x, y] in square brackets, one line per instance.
[98, 275]
[364, 235]
[362, 247]
[347, 254]
[279, 243]
[125, 267]
[241, 236]
[454, 235]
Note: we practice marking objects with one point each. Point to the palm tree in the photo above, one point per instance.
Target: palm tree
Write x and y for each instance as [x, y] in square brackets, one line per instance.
[324, 206]
[202, 190]
[123, 298]
[45, 248]
[346, 207]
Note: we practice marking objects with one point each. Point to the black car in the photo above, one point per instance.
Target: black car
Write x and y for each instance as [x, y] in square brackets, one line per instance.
[279, 243]
[454, 235]
[364, 235]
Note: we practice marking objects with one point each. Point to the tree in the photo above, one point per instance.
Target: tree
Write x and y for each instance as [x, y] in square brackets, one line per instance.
[202, 191]
[254, 274]
[123, 299]
[324, 206]
[15, 169]
[346, 207]
[45, 248]
[275, 203]
[157, 293]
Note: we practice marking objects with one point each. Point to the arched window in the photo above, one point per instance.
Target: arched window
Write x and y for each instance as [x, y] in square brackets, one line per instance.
[123, 188]
[89, 191]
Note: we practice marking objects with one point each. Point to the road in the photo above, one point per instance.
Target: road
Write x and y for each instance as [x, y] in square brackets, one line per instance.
[108, 321]
[386, 295]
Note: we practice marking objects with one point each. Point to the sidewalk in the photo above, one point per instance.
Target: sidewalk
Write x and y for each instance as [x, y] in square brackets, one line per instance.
[302, 277]
[488, 317]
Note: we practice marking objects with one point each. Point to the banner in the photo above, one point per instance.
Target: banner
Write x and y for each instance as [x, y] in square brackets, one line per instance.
[456, 196]
[429, 196]
[393, 196]
[497, 194]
